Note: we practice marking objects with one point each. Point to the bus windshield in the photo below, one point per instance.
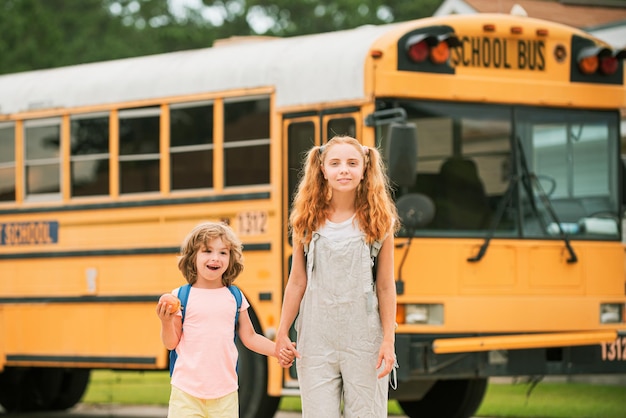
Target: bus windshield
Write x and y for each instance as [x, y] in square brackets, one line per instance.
[517, 172]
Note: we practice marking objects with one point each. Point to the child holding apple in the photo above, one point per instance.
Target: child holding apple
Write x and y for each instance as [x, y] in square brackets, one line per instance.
[204, 381]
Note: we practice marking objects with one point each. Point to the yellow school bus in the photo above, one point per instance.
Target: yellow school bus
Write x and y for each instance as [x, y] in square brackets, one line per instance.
[502, 136]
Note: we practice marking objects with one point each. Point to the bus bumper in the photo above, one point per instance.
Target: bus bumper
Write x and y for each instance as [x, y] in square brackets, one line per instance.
[424, 357]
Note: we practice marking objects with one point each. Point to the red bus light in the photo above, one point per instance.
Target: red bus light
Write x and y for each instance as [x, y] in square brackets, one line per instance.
[419, 51]
[608, 65]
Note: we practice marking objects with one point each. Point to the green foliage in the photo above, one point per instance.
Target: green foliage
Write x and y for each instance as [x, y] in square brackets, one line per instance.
[37, 34]
[314, 16]
[40, 34]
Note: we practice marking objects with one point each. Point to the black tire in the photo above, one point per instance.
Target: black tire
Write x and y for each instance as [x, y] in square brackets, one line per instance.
[448, 398]
[73, 386]
[29, 389]
[254, 401]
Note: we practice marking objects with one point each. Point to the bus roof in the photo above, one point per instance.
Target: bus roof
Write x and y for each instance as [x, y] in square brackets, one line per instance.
[303, 70]
[293, 65]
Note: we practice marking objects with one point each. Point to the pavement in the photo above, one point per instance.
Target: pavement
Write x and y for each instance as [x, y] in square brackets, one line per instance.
[116, 411]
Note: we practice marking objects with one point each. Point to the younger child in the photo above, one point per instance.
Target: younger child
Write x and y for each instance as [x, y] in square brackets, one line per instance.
[204, 381]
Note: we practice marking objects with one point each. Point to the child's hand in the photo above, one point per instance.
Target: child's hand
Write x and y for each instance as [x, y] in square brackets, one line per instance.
[167, 307]
[286, 356]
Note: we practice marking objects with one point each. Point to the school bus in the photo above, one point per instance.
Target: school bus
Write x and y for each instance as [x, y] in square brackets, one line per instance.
[502, 138]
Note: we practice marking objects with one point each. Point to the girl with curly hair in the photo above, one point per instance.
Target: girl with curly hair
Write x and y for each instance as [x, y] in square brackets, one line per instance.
[345, 310]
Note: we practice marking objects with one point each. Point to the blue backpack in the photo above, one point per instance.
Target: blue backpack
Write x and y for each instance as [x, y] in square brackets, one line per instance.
[183, 295]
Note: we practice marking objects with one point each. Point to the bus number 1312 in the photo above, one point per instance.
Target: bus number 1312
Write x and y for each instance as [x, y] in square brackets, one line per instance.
[614, 351]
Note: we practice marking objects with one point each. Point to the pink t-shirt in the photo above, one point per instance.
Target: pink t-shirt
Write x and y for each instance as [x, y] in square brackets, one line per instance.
[207, 354]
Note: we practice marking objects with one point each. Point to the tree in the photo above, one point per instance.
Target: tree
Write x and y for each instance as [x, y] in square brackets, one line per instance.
[313, 16]
[40, 34]
[36, 34]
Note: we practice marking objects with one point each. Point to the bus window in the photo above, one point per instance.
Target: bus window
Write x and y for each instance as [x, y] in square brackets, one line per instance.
[42, 159]
[7, 163]
[246, 141]
[586, 146]
[89, 160]
[463, 164]
[191, 146]
[568, 151]
[301, 137]
[341, 126]
[139, 150]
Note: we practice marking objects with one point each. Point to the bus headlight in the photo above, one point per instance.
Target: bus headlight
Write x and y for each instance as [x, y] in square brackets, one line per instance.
[427, 314]
[612, 313]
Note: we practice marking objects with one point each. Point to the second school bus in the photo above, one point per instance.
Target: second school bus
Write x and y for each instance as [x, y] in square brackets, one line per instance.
[502, 135]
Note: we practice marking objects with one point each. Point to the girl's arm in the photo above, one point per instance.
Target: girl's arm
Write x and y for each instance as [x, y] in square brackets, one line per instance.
[171, 326]
[294, 291]
[386, 292]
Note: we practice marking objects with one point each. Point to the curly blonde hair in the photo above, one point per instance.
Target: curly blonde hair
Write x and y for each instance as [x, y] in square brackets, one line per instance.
[198, 238]
[376, 213]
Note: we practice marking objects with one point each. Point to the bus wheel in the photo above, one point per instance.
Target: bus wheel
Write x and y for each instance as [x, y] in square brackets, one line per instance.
[448, 398]
[29, 389]
[254, 401]
[73, 385]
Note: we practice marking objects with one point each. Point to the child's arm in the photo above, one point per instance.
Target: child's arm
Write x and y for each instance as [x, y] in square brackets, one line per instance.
[171, 326]
[259, 343]
[249, 337]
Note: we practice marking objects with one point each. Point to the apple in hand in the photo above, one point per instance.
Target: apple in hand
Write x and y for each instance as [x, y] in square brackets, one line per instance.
[172, 302]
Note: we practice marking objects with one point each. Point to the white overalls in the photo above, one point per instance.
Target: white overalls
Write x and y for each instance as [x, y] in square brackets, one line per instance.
[339, 328]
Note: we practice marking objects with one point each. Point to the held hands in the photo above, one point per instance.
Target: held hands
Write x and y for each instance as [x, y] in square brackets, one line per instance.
[286, 356]
[286, 352]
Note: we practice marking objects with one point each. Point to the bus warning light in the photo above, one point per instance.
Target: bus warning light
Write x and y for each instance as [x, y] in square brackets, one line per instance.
[597, 58]
[435, 47]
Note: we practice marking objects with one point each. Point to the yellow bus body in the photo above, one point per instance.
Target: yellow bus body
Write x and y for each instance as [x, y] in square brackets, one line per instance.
[91, 225]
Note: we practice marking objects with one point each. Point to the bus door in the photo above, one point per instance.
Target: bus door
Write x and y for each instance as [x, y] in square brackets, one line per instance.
[300, 133]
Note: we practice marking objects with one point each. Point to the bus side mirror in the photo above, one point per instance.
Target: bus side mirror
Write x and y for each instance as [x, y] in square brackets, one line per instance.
[402, 154]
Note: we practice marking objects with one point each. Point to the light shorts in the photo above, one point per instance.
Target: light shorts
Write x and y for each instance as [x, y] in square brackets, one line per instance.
[183, 405]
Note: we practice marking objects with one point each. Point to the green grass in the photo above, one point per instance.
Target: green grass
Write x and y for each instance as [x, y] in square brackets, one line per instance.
[554, 400]
[547, 400]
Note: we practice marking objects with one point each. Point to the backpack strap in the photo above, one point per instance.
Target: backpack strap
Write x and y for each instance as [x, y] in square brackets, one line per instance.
[238, 298]
[183, 295]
